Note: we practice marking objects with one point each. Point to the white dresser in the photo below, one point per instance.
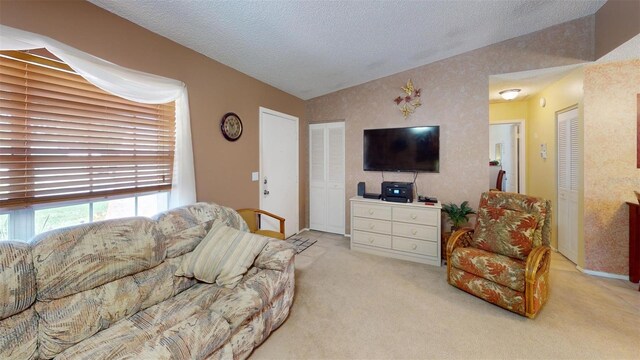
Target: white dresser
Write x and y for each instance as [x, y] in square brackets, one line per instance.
[398, 230]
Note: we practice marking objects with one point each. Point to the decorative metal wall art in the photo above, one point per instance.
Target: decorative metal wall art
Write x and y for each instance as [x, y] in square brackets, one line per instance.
[408, 102]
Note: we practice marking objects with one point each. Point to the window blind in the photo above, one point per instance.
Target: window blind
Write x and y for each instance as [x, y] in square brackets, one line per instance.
[62, 138]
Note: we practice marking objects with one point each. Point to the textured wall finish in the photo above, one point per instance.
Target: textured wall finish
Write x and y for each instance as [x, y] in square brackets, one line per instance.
[610, 172]
[455, 96]
[616, 22]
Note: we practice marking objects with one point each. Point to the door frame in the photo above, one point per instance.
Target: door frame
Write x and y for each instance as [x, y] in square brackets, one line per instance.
[522, 156]
[264, 110]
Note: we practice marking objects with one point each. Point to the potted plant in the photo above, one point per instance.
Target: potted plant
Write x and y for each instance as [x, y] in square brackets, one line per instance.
[458, 215]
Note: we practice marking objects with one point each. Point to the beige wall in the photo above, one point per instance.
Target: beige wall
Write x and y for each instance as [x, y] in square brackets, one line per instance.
[610, 172]
[616, 22]
[223, 169]
[455, 96]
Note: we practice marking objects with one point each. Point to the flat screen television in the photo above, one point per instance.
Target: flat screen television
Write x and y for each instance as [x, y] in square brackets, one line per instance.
[402, 149]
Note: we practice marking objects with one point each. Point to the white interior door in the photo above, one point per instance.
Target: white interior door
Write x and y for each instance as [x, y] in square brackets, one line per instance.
[317, 178]
[279, 183]
[568, 158]
[326, 177]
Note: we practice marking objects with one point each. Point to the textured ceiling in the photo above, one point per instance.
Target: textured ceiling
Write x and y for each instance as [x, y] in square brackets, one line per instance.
[529, 82]
[311, 48]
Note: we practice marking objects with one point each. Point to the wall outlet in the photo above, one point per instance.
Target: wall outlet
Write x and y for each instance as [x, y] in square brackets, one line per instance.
[255, 176]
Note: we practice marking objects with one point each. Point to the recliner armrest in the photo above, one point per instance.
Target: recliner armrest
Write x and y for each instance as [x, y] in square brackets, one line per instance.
[460, 238]
[538, 263]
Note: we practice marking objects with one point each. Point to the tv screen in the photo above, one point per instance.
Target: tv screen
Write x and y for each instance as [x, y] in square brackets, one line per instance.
[402, 149]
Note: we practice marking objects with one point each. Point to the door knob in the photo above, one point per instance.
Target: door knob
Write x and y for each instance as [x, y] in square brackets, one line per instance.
[266, 192]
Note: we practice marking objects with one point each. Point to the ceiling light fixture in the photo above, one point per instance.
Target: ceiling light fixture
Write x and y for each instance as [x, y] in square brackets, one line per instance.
[509, 94]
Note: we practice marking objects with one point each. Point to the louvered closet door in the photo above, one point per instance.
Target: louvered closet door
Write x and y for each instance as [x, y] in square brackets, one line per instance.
[335, 177]
[326, 177]
[568, 177]
[317, 180]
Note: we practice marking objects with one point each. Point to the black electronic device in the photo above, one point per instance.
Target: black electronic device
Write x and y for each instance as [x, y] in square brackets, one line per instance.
[427, 199]
[402, 149]
[397, 191]
[371, 196]
[361, 189]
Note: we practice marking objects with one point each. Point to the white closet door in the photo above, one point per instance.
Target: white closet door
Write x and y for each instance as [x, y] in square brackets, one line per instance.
[335, 178]
[326, 177]
[568, 165]
[317, 180]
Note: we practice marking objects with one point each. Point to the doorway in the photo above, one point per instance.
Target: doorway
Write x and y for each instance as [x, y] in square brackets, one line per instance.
[507, 147]
[279, 174]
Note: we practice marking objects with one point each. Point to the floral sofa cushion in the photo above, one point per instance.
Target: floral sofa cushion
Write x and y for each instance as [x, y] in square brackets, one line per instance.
[488, 290]
[497, 268]
[506, 232]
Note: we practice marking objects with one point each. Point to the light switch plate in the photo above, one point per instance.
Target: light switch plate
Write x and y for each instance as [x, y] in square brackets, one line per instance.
[255, 176]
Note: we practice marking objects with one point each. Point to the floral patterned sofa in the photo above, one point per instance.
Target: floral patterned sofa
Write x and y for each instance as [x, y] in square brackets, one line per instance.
[506, 259]
[107, 290]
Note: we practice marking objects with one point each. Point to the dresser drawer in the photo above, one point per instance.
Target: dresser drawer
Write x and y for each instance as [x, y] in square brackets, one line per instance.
[415, 246]
[416, 215]
[415, 231]
[372, 225]
[365, 238]
[372, 211]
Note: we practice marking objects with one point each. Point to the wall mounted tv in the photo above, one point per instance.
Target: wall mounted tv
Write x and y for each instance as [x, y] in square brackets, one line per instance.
[402, 149]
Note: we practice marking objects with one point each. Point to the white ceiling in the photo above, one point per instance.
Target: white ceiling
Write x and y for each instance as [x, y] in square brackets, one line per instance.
[529, 82]
[314, 47]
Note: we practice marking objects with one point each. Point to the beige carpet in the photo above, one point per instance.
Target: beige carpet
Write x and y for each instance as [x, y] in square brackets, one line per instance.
[350, 305]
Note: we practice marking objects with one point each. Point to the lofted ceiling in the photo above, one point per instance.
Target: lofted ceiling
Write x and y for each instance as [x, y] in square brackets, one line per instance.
[314, 47]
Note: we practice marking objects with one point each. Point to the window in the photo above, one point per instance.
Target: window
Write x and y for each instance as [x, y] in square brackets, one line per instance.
[71, 153]
[23, 224]
[4, 226]
[62, 138]
[57, 217]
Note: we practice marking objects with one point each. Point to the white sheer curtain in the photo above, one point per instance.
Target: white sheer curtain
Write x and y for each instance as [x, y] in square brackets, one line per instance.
[129, 84]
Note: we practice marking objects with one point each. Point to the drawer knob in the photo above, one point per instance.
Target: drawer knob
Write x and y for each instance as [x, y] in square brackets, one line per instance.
[371, 226]
[370, 211]
[414, 246]
[414, 231]
[413, 216]
[371, 240]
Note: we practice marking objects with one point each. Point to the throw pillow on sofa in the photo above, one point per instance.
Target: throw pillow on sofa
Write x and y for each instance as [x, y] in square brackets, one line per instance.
[223, 256]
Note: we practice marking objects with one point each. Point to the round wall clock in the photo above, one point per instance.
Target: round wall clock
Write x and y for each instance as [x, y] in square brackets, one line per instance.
[231, 126]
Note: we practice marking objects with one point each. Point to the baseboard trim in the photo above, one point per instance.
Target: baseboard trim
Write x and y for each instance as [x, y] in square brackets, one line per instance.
[603, 274]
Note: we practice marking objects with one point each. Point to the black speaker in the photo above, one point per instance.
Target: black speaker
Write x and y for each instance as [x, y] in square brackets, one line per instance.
[360, 188]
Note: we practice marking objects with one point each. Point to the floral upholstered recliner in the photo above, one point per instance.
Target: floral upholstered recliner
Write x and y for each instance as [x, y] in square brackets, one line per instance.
[505, 259]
